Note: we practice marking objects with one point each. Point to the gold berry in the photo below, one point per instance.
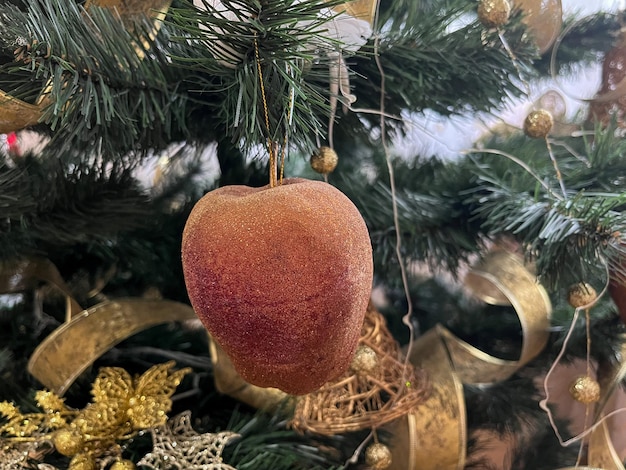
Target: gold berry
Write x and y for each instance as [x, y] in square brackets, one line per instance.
[581, 294]
[324, 160]
[494, 13]
[67, 442]
[378, 456]
[82, 462]
[123, 465]
[585, 390]
[365, 360]
[538, 124]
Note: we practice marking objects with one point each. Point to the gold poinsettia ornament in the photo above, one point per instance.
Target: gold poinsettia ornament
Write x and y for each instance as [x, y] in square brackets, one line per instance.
[122, 406]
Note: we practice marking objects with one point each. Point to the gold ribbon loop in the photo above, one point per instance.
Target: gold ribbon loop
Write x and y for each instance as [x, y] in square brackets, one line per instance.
[25, 274]
[601, 452]
[229, 382]
[127, 9]
[502, 279]
[76, 344]
[434, 437]
[16, 114]
[361, 9]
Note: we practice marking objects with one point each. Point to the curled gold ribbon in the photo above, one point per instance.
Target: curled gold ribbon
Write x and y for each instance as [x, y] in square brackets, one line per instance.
[601, 452]
[229, 382]
[75, 345]
[25, 274]
[17, 114]
[502, 279]
[127, 9]
[434, 436]
[361, 9]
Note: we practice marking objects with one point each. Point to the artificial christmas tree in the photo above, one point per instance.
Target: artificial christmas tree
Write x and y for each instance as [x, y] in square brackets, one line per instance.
[468, 333]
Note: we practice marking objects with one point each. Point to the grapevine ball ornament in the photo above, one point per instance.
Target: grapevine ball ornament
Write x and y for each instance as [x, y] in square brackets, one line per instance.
[538, 124]
[494, 13]
[281, 278]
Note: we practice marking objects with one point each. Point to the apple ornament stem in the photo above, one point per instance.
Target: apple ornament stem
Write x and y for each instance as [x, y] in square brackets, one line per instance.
[280, 277]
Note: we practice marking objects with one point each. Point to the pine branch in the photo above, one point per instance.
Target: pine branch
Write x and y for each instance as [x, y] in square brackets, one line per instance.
[435, 224]
[60, 208]
[429, 64]
[14, 197]
[265, 443]
[447, 210]
[102, 94]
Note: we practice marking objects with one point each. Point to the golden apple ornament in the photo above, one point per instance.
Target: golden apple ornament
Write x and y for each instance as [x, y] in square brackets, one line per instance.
[281, 278]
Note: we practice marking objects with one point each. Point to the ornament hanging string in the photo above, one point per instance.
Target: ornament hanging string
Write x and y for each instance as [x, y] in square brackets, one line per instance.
[271, 145]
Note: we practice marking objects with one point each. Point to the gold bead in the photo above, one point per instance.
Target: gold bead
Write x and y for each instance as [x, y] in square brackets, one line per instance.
[82, 462]
[581, 294]
[538, 124]
[123, 465]
[324, 160]
[365, 360]
[585, 390]
[378, 457]
[494, 13]
[67, 442]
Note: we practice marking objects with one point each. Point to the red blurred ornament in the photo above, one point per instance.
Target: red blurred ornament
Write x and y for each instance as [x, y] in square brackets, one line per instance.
[13, 144]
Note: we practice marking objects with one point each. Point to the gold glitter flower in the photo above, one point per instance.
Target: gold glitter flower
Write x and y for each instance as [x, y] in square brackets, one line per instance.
[121, 407]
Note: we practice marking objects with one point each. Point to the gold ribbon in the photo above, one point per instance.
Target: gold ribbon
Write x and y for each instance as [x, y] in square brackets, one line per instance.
[229, 382]
[127, 9]
[25, 274]
[502, 279]
[601, 452]
[543, 19]
[361, 9]
[156, 9]
[17, 114]
[75, 345]
[86, 334]
[434, 436]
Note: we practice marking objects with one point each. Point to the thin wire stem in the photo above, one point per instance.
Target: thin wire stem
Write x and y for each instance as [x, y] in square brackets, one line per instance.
[559, 177]
[520, 163]
[406, 319]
